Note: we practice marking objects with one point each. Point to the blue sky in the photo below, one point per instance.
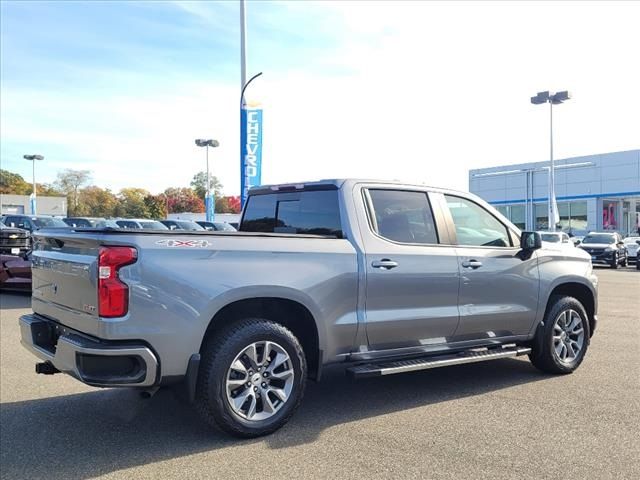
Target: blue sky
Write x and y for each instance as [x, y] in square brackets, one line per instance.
[415, 91]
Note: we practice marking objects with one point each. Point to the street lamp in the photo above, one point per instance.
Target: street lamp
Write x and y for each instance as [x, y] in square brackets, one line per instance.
[33, 158]
[208, 207]
[552, 99]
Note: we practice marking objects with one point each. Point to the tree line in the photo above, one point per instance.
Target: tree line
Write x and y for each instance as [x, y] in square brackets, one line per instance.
[87, 200]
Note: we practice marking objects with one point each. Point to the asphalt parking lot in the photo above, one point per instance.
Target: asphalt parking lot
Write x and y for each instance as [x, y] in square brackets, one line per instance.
[499, 419]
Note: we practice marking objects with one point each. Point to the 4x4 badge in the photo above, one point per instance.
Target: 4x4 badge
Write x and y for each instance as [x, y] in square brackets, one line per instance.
[170, 242]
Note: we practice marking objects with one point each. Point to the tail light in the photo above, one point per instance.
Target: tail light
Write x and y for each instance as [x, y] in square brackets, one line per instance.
[113, 294]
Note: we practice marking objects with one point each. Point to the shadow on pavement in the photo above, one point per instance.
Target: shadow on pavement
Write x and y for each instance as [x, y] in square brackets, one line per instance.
[90, 434]
[10, 300]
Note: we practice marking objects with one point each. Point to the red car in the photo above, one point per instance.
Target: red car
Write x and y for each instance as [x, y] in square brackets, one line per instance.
[15, 272]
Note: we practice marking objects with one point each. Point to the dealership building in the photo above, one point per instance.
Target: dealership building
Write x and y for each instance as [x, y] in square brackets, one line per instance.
[21, 204]
[593, 193]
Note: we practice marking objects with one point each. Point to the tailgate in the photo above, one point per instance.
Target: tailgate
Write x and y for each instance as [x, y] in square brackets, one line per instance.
[65, 278]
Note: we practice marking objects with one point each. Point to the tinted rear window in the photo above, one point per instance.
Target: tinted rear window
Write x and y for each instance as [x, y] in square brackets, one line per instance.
[308, 212]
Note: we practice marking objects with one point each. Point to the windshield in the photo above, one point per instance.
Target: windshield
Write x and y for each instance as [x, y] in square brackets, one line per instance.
[152, 225]
[548, 237]
[42, 222]
[599, 238]
[225, 227]
[631, 240]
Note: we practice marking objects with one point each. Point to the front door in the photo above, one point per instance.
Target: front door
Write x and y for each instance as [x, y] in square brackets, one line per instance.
[499, 283]
[411, 279]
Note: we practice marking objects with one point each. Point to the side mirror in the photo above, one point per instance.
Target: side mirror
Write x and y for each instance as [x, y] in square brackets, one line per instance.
[530, 241]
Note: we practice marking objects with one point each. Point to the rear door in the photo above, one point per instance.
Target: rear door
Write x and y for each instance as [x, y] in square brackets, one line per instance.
[498, 283]
[411, 278]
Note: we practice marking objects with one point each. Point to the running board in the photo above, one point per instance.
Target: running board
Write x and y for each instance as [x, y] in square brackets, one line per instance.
[424, 363]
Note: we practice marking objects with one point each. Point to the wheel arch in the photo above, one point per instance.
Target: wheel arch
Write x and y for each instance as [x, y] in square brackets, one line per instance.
[581, 292]
[292, 313]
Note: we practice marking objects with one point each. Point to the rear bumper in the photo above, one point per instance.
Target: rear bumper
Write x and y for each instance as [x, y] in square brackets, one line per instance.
[92, 361]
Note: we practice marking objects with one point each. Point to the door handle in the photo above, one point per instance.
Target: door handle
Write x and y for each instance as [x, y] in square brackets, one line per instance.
[384, 264]
[472, 264]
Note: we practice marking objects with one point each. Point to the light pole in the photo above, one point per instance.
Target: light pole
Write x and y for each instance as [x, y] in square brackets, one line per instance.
[32, 159]
[552, 99]
[208, 204]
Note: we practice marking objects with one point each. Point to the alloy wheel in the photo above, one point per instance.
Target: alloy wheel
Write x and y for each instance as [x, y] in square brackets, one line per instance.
[259, 381]
[568, 336]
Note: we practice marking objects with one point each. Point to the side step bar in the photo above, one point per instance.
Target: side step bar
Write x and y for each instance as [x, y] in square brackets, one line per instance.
[424, 363]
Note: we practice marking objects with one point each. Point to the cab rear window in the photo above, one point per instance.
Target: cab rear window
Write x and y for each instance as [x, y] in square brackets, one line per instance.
[307, 212]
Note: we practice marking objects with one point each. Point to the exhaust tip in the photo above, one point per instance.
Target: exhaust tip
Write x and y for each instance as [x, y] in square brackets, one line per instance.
[148, 393]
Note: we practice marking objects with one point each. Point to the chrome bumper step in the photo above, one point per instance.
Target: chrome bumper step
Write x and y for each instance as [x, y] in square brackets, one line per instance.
[436, 361]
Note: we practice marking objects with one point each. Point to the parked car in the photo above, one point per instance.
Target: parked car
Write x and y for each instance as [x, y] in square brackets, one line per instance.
[140, 224]
[15, 272]
[383, 278]
[14, 241]
[216, 226]
[605, 248]
[90, 222]
[632, 245]
[556, 239]
[32, 223]
[182, 225]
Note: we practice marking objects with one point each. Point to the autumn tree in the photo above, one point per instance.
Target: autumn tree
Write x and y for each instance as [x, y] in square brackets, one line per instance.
[183, 199]
[94, 201]
[15, 184]
[12, 183]
[131, 203]
[69, 182]
[156, 206]
[199, 185]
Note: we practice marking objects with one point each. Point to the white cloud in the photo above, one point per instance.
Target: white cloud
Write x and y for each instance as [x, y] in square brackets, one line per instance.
[414, 91]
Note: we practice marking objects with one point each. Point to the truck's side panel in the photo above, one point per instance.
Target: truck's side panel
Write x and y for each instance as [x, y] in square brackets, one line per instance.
[175, 291]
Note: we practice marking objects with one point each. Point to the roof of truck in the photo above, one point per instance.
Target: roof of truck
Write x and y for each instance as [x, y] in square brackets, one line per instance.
[339, 182]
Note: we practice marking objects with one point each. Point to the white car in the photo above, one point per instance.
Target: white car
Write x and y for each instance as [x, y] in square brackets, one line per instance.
[632, 247]
[556, 239]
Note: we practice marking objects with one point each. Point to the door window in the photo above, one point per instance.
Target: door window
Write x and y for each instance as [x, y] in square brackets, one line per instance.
[403, 216]
[475, 226]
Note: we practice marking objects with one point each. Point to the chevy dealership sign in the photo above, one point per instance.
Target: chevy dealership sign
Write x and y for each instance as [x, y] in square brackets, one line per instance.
[251, 154]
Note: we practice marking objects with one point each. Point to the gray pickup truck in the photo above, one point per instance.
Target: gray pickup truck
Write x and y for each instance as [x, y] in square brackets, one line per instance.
[382, 277]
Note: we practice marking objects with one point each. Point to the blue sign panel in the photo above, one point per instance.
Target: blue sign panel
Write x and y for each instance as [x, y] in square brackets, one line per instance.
[251, 150]
[32, 203]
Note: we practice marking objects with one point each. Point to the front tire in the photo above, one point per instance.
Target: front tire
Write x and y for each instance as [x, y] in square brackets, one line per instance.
[251, 379]
[616, 261]
[562, 342]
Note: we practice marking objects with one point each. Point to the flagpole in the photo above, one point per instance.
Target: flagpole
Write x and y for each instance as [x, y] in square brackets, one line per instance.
[552, 180]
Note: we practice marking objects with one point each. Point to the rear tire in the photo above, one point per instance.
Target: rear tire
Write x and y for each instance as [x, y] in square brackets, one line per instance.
[233, 398]
[562, 342]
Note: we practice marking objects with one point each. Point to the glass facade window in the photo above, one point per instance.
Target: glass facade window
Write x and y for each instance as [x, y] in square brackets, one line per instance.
[578, 217]
[573, 216]
[609, 215]
[563, 213]
[515, 213]
[517, 216]
[541, 216]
